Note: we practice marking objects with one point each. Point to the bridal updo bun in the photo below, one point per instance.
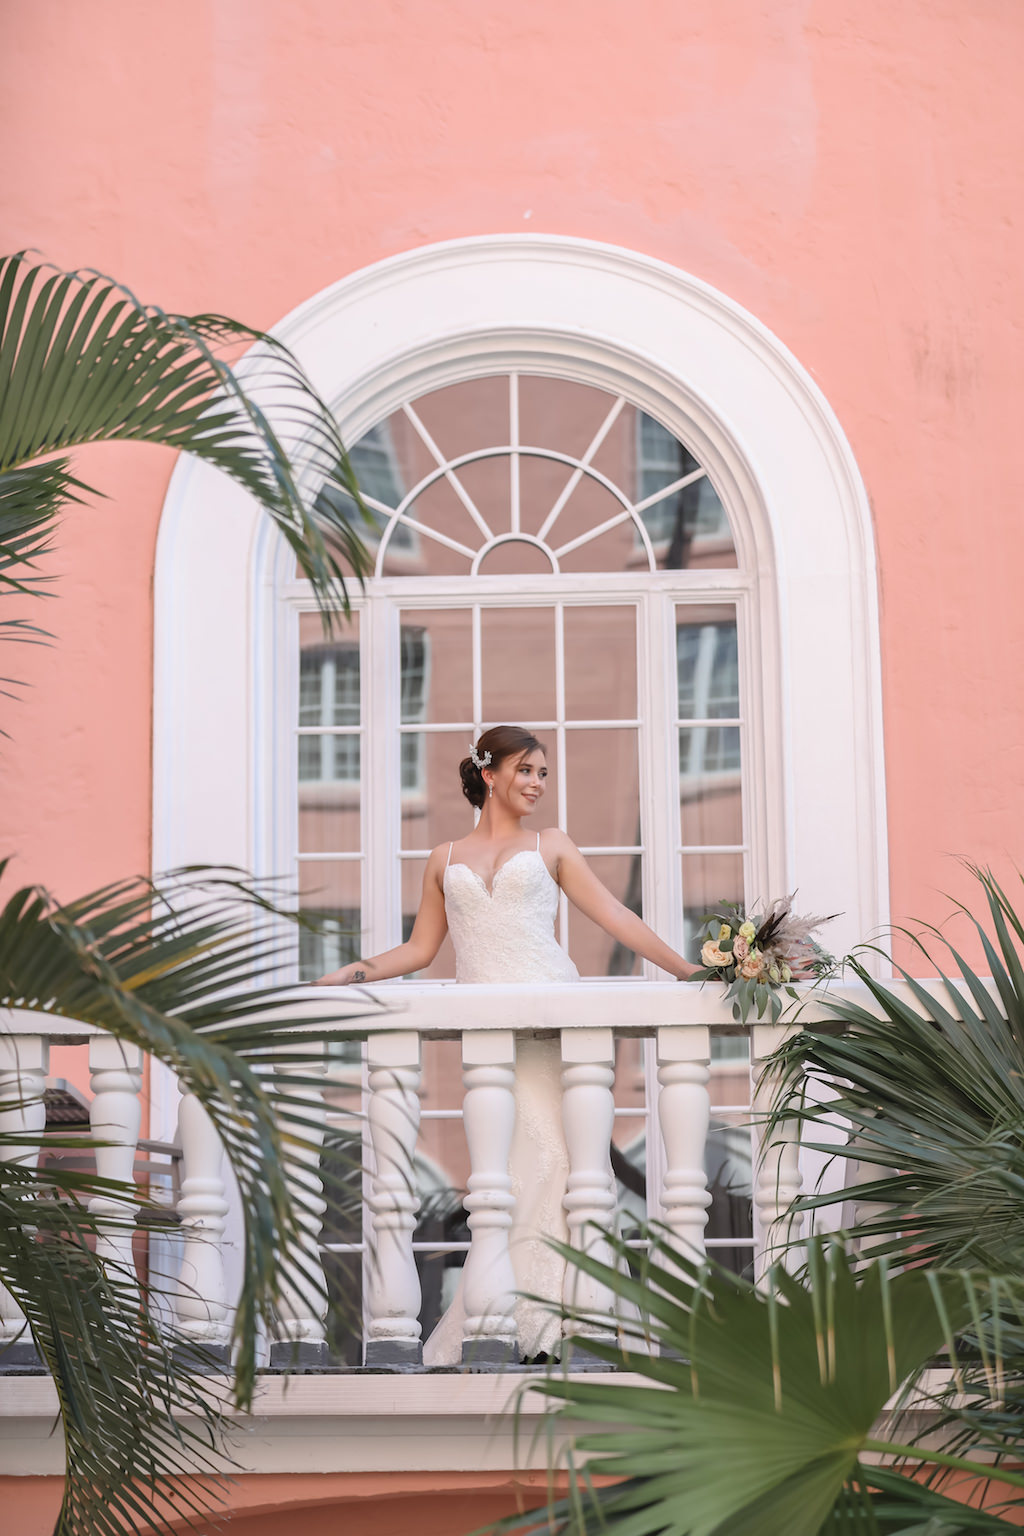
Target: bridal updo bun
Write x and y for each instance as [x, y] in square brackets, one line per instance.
[500, 741]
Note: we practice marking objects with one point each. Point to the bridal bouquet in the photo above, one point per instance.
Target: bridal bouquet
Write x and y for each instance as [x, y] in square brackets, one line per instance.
[759, 956]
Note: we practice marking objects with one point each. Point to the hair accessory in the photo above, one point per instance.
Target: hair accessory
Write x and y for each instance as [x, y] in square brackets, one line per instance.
[479, 762]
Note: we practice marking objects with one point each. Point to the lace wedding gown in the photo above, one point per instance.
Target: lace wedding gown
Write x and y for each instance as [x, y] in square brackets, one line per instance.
[506, 934]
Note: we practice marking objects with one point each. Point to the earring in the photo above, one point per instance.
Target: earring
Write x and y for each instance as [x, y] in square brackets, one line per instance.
[490, 793]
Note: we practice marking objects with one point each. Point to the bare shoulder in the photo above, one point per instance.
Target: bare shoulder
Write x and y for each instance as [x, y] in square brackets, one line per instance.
[436, 863]
[557, 845]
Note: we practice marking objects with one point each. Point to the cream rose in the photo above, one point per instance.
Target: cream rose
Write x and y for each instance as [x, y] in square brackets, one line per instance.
[712, 956]
[740, 949]
[748, 932]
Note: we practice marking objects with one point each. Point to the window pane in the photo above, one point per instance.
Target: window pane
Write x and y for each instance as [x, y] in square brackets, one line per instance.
[687, 524]
[329, 803]
[629, 1134]
[328, 753]
[603, 792]
[707, 663]
[436, 665]
[710, 801]
[588, 508]
[595, 952]
[541, 483]
[328, 672]
[728, 1165]
[488, 483]
[518, 659]
[560, 414]
[439, 509]
[342, 1164]
[329, 895]
[441, 1171]
[708, 880]
[600, 663]
[463, 417]
[516, 558]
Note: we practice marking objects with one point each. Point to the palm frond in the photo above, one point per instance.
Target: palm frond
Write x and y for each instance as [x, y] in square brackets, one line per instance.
[183, 969]
[83, 361]
[761, 1404]
[933, 1091]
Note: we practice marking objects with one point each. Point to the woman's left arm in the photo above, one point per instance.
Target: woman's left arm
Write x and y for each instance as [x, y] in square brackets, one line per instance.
[596, 901]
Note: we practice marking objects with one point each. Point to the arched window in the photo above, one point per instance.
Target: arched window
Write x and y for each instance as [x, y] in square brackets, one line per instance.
[612, 505]
[552, 555]
[609, 505]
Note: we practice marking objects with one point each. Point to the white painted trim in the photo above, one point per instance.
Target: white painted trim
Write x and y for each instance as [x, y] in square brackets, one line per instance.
[340, 1423]
[317, 1424]
[716, 378]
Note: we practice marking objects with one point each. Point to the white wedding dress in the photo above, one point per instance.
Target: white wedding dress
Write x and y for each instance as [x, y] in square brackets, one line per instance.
[503, 935]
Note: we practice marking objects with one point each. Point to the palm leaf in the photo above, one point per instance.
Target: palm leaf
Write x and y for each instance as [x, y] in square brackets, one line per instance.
[83, 361]
[933, 1090]
[183, 970]
[761, 1406]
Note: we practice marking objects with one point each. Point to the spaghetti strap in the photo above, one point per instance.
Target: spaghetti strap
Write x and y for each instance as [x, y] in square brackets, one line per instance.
[452, 845]
[538, 842]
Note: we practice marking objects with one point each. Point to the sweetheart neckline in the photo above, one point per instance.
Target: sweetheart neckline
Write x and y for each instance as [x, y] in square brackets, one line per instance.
[489, 889]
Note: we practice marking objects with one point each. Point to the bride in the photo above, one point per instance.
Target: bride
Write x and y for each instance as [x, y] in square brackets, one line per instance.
[496, 892]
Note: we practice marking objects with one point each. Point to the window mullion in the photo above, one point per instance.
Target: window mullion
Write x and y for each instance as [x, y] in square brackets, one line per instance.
[379, 704]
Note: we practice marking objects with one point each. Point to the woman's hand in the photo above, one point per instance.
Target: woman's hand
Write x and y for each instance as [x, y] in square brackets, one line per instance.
[689, 972]
[357, 971]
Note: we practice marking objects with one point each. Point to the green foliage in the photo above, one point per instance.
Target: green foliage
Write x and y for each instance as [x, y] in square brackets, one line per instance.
[82, 361]
[184, 971]
[933, 1090]
[761, 1412]
[767, 1409]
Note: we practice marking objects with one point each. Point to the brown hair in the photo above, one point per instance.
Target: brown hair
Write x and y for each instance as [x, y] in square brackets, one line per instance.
[500, 741]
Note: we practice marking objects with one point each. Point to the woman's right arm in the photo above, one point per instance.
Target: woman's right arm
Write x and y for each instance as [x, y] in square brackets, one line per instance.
[420, 947]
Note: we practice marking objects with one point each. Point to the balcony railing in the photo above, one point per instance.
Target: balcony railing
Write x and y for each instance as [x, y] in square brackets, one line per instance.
[587, 1017]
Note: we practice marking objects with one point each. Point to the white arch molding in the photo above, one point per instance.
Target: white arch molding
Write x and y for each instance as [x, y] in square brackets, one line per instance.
[716, 378]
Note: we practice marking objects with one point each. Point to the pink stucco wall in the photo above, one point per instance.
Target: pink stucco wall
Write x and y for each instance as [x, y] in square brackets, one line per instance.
[850, 172]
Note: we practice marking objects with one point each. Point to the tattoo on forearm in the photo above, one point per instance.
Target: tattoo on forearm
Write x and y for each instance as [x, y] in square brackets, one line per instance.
[359, 975]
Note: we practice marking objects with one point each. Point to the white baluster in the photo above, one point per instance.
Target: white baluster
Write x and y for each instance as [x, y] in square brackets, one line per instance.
[115, 1118]
[860, 1172]
[393, 1284]
[489, 1115]
[302, 1308]
[201, 1306]
[24, 1063]
[777, 1178]
[684, 1111]
[588, 1107]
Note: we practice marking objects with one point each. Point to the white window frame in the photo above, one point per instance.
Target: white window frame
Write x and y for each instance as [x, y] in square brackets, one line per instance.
[683, 352]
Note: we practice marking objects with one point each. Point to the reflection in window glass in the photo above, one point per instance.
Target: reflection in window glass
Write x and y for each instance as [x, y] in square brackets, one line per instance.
[512, 454]
[689, 522]
[375, 466]
[708, 669]
[709, 879]
[710, 799]
[728, 1165]
[329, 696]
[330, 897]
[600, 662]
[414, 688]
[333, 943]
[593, 951]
